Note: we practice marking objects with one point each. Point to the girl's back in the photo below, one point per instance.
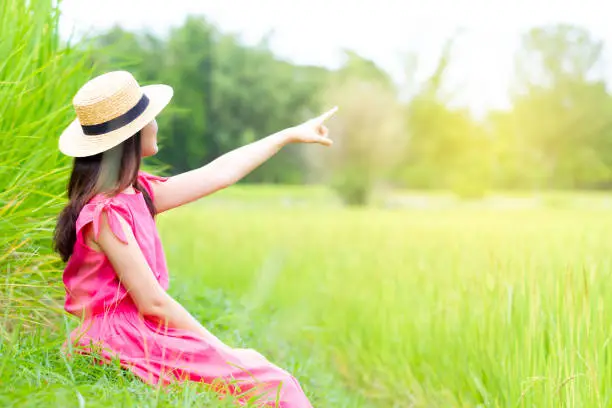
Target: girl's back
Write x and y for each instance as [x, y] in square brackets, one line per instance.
[92, 286]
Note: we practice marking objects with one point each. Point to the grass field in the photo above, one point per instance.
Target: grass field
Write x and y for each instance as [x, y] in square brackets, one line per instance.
[417, 301]
[424, 308]
[373, 307]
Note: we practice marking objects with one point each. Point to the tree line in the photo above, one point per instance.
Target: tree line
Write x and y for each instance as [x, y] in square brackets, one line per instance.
[556, 135]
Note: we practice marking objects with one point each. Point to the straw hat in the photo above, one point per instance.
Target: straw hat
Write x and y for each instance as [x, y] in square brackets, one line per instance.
[110, 109]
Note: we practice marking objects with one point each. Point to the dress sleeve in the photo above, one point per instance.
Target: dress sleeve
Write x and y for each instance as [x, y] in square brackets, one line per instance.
[146, 180]
[93, 213]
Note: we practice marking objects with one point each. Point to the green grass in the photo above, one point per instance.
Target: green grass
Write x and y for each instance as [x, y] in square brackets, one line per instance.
[38, 77]
[33, 373]
[373, 307]
[467, 305]
[422, 308]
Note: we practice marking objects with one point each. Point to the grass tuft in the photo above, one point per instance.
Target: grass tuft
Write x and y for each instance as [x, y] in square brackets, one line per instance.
[38, 77]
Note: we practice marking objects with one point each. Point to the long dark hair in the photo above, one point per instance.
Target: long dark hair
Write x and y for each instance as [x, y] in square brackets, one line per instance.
[106, 173]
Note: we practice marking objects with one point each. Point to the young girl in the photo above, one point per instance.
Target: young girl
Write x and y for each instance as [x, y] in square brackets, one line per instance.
[116, 276]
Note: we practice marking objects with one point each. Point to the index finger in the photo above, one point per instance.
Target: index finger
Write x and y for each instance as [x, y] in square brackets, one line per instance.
[327, 114]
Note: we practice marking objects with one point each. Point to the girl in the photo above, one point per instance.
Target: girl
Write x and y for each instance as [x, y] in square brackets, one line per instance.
[116, 276]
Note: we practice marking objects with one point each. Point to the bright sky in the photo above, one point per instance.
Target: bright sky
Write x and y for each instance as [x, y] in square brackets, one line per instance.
[314, 31]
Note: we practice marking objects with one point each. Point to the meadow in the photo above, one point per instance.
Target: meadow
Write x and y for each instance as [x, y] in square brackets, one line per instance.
[419, 301]
[372, 307]
[450, 307]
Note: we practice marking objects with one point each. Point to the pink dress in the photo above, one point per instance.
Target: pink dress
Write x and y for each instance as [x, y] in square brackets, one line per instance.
[113, 328]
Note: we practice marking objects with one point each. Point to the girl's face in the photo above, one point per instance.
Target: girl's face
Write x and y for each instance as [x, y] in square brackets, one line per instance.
[148, 138]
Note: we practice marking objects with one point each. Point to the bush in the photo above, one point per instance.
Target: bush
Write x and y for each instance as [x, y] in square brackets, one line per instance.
[368, 139]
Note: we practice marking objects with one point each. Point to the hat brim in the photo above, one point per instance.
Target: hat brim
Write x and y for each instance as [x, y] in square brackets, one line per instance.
[73, 142]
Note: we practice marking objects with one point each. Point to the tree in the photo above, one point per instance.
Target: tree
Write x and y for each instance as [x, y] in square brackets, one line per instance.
[257, 94]
[562, 109]
[226, 94]
[367, 132]
[447, 147]
[187, 67]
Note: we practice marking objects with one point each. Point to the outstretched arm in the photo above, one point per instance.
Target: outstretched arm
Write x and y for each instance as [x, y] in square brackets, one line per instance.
[233, 166]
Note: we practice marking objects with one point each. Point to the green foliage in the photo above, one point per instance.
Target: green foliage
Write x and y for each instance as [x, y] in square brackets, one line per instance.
[368, 131]
[561, 123]
[448, 149]
[557, 134]
[495, 316]
[226, 94]
[38, 77]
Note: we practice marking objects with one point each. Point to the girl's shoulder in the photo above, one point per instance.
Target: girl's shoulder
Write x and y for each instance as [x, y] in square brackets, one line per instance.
[146, 180]
[115, 207]
[128, 206]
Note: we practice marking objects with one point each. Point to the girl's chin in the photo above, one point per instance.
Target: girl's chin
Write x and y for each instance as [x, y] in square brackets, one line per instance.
[150, 152]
